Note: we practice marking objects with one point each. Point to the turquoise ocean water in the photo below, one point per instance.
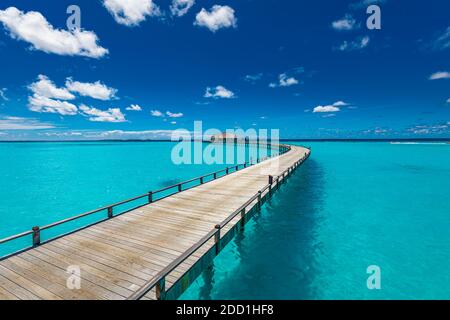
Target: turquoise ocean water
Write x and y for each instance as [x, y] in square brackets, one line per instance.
[349, 206]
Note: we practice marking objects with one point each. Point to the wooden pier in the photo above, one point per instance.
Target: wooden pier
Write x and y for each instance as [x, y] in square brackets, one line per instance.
[154, 251]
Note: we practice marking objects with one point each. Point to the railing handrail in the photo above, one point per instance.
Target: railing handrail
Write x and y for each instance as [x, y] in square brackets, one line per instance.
[141, 292]
[282, 150]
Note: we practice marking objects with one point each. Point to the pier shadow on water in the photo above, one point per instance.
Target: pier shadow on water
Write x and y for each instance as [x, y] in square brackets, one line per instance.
[275, 256]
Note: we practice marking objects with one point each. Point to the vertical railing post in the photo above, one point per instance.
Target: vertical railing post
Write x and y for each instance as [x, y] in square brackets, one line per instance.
[215, 175]
[201, 180]
[161, 289]
[226, 170]
[36, 236]
[259, 199]
[110, 212]
[150, 196]
[217, 238]
[243, 218]
[180, 188]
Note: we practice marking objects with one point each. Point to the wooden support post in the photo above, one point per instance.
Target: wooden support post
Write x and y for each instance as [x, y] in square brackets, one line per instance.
[217, 239]
[150, 196]
[215, 175]
[201, 180]
[270, 180]
[243, 218]
[110, 212]
[259, 199]
[180, 188]
[227, 170]
[161, 289]
[36, 236]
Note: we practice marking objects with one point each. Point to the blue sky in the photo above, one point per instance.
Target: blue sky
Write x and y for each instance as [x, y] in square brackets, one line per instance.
[309, 68]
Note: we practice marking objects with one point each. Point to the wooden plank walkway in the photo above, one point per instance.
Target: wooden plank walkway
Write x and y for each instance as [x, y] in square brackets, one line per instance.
[118, 257]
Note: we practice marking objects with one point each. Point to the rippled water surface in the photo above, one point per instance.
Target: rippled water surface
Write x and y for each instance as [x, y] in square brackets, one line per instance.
[41, 183]
[349, 206]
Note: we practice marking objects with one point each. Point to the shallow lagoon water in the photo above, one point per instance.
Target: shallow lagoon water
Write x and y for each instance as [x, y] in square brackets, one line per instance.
[41, 183]
[351, 205]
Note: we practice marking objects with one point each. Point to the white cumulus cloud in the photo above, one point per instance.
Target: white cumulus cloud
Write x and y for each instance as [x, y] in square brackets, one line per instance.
[219, 92]
[43, 104]
[134, 107]
[180, 7]
[330, 108]
[96, 90]
[218, 17]
[174, 115]
[284, 81]
[440, 75]
[335, 107]
[44, 87]
[96, 115]
[33, 28]
[345, 24]
[156, 113]
[131, 12]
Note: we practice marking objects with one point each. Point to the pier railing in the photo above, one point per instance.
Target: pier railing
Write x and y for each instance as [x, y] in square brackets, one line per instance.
[152, 196]
[159, 281]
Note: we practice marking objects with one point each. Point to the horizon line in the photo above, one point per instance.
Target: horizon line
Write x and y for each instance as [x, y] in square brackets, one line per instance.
[284, 140]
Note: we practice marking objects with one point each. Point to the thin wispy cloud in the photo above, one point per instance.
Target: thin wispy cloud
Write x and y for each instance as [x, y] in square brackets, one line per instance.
[340, 104]
[131, 12]
[179, 8]
[442, 42]
[253, 77]
[425, 129]
[19, 123]
[216, 18]
[3, 94]
[365, 3]
[440, 75]
[33, 27]
[109, 115]
[357, 44]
